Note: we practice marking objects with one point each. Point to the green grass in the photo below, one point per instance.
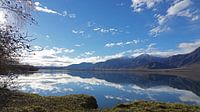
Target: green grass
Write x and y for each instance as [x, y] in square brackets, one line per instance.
[14, 101]
[144, 106]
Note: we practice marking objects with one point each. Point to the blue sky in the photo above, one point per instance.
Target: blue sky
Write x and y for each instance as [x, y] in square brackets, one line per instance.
[74, 31]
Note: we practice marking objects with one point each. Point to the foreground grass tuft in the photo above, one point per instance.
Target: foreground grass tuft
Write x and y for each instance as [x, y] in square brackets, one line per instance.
[13, 101]
[144, 106]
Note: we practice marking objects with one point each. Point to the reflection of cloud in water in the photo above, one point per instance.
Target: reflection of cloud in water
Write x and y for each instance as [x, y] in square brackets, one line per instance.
[50, 82]
[88, 88]
[47, 82]
[190, 97]
[185, 96]
[117, 98]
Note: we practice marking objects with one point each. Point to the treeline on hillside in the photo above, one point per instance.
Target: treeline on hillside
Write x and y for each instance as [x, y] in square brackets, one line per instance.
[16, 68]
[10, 66]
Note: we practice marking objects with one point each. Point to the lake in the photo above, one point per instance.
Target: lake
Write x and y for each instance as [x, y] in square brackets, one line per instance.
[111, 88]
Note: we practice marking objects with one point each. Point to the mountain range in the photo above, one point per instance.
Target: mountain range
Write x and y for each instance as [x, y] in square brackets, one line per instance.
[143, 61]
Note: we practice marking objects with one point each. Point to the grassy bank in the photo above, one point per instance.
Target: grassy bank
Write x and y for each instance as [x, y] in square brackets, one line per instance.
[13, 101]
[144, 106]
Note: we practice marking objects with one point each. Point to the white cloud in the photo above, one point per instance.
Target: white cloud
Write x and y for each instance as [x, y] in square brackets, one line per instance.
[114, 44]
[190, 14]
[182, 48]
[140, 5]
[133, 42]
[191, 46]
[161, 19]
[88, 53]
[69, 50]
[78, 45]
[106, 30]
[70, 15]
[121, 4]
[158, 29]
[91, 24]
[196, 17]
[39, 7]
[60, 57]
[48, 57]
[45, 9]
[47, 36]
[37, 3]
[181, 8]
[78, 32]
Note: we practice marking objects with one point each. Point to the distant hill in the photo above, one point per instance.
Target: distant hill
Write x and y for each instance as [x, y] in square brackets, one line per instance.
[143, 61]
[17, 68]
[184, 59]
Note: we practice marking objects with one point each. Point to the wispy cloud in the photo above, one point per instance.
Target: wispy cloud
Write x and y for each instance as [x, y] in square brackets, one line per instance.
[182, 48]
[158, 29]
[178, 8]
[133, 42]
[106, 30]
[78, 45]
[68, 14]
[39, 7]
[181, 8]
[121, 4]
[189, 46]
[88, 53]
[140, 5]
[90, 24]
[78, 32]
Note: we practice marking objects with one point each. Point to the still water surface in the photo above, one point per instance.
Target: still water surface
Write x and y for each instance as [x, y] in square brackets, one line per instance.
[111, 88]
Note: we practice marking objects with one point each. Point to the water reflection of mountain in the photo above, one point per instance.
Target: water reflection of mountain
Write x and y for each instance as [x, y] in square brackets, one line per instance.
[144, 81]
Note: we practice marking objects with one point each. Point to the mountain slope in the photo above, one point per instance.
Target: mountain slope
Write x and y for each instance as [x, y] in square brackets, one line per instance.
[184, 59]
[143, 61]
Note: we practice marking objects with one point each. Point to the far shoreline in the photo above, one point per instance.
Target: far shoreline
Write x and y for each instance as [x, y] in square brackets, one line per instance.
[191, 72]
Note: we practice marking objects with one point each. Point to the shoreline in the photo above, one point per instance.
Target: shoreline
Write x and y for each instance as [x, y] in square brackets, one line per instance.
[15, 101]
[191, 72]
